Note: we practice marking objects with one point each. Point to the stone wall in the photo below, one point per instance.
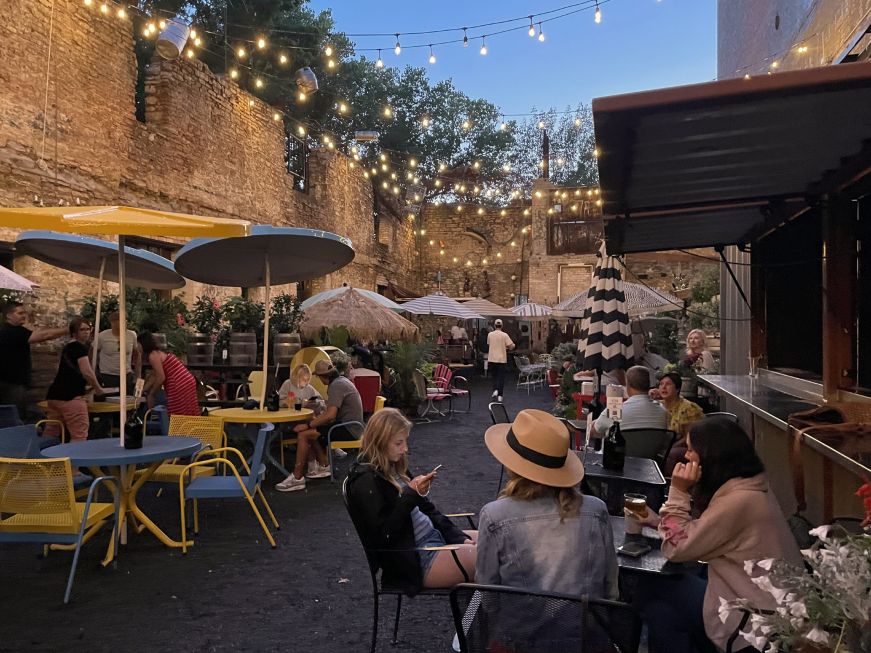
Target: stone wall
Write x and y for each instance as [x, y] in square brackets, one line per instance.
[752, 34]
[206, 147]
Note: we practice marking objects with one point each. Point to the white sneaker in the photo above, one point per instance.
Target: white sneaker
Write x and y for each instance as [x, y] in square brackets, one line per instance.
[455, 645]
[499, 399]
[291, 484]
[495, 394]
[339, 453]
[321, 471]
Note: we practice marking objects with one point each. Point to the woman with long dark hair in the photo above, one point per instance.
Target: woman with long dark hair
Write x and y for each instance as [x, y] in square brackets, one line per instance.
[720, 510]
[169, 372]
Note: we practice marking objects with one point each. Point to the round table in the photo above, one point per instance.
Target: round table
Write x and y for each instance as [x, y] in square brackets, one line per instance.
[99, 407]
[110, 455]
[257, 416]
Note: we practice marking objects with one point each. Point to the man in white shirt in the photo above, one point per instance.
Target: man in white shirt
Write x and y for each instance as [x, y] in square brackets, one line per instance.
[458, 332]
[109, 355]
[639, 411]
[498, 346]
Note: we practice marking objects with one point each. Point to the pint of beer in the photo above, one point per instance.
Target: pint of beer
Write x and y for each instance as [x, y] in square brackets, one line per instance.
[636, 504]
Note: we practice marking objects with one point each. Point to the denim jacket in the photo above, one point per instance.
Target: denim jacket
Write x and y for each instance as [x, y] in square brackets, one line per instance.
[523, 544]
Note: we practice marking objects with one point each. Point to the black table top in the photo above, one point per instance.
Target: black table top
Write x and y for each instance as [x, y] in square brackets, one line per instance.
[653, 562]
[637, 470]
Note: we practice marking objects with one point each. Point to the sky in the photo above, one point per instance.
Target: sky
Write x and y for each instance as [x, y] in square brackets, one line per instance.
[639, 45]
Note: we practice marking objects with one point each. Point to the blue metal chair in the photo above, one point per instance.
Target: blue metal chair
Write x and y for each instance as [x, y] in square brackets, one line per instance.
[24, 441]
[38, 498]
[232, 485]
[332, 445]
[9, 416]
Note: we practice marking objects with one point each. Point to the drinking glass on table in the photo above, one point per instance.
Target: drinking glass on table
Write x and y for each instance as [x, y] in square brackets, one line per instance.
[636, 504]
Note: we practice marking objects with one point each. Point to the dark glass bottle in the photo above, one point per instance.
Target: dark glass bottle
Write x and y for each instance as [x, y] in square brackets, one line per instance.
[614, 448]
[272, 402]
[134, 429]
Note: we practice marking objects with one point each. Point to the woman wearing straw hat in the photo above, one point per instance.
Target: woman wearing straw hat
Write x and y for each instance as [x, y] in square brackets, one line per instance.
[394, 517]
[542, 533]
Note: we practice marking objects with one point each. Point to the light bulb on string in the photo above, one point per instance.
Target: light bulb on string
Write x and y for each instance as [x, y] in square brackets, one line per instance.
[540, 33]
[465, 38]
[343, 108]
[234, 74]
[425, 122]
[503, 126]
[432, 57]
[302, 96]
[162, 24]
[241, 53]
[467, 124]
[300, 130]
[483, 47]
[531, 28]
[388, 112]
[379, 63]
[261, 43]
[598, 15]
[331, 63]
[282, 59]
[541, 124]
[577, 122]
[328, 51]
[258, 83]
[122, 13]
[397, 48]
[88, 3]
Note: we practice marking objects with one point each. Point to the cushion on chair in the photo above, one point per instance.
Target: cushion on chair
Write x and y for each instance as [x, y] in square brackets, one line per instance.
[56, 522]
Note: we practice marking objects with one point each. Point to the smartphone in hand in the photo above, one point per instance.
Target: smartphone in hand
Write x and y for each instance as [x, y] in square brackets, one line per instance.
[435, 469]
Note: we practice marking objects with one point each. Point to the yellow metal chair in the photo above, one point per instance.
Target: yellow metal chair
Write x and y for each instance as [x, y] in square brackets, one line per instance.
[208, 430]
[379, 403]
[37, 496]
[254, 385]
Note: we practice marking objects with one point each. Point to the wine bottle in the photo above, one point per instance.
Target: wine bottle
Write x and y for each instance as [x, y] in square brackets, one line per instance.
[614, 448]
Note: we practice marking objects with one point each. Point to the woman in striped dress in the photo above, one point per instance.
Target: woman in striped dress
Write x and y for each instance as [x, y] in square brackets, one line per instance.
[170, 373]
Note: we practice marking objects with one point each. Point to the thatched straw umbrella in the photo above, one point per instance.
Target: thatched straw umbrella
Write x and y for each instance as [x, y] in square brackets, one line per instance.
[364, 318]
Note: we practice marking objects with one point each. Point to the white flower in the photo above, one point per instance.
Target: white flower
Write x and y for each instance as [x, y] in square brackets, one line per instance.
[765, 564]
[821, 532]
[763, 583]
[724, 610]
[817, 635]
[748, 567]
[772, 648]
[778, 594]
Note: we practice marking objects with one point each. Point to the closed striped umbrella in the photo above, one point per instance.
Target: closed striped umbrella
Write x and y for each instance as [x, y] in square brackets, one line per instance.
[440, 304]
[531, 309]
[605, 336]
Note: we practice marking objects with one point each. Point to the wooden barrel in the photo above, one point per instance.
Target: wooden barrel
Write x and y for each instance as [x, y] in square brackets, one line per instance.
[160, 340]
[284, 347]
[201, 349]
[243, 348]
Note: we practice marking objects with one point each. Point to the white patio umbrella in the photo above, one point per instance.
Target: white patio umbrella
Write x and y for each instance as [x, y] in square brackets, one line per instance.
[268, 255]
[640, 300]
[531, 310]
[333, 292]
[14, 281]
[487, 308]
[440, 304]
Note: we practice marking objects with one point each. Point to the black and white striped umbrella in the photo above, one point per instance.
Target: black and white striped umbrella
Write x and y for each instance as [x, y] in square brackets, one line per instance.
[606, 340]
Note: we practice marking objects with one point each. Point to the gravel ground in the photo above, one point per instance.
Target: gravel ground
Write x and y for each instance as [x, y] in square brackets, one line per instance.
[232, 592]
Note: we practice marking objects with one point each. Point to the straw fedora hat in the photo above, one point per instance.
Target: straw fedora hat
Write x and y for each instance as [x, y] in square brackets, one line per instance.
[536, 446]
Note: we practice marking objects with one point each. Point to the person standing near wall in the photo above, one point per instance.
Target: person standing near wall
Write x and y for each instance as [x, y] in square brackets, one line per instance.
[15, 363]
[498, 346]
[109, 355]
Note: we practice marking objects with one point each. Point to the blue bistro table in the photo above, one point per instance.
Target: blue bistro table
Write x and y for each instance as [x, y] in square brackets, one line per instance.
[109, 454]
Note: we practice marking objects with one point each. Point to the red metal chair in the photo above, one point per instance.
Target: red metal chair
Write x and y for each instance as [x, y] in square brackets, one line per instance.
[446, 381]
[553, 382]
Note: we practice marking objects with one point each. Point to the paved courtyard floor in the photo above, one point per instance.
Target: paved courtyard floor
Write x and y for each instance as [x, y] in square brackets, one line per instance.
[232, 592]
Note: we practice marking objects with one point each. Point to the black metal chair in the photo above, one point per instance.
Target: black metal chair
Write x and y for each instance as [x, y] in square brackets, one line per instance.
[731, 416]
[378, 588]
[653, 444]
[490, 617]
[499, 415]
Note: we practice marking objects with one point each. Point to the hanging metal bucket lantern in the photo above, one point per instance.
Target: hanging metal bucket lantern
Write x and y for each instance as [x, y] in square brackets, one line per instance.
[306, 81]
[170, 44]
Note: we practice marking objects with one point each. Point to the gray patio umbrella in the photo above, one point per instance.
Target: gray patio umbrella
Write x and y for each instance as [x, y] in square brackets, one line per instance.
[93, 257]
[640, 300]
[269, 255]
[606, 340]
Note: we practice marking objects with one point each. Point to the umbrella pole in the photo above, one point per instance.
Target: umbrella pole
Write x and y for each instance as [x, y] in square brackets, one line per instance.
[122, 337]
[97, 318]
[265, 339]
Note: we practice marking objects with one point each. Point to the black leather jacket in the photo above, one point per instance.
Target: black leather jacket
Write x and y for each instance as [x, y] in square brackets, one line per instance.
[382, 516]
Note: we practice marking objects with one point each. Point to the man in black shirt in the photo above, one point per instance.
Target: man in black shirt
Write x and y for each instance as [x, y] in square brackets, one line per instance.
[15, 341]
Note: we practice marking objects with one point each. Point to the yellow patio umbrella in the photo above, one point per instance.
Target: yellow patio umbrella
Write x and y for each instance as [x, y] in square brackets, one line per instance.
[121, 221]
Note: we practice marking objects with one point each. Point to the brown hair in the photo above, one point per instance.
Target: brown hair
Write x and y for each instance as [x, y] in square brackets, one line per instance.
[380, 428]
[522, 489]
[75, 323]
[10, 306]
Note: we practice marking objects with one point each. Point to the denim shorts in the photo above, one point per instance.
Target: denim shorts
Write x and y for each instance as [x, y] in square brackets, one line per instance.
[433, 538]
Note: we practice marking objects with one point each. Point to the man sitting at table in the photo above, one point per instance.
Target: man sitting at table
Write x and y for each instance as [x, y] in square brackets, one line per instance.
[343, 405]
[639, 410]
[458, 332]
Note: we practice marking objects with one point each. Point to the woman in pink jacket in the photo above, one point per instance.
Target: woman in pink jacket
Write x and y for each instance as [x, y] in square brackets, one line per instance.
[721, 511]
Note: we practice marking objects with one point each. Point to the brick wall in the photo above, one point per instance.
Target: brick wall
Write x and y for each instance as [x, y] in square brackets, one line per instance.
[753, 33]
[207, 147]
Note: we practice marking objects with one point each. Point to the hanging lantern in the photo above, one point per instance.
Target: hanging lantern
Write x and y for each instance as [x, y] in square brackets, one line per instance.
[174, 36]
[306, 81]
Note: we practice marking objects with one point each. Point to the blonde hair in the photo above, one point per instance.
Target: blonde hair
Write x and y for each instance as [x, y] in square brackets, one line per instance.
[300, 370]
[704, 339]
[522, 489]
[381, 427]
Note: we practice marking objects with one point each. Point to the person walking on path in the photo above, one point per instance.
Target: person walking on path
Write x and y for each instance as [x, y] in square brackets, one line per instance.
[15, 363]
[498, 346]
[109, 355]
[170, 373]
[66, 395]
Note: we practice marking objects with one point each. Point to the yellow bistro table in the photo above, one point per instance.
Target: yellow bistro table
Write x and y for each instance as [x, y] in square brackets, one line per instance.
[280, 416]
[103, 409]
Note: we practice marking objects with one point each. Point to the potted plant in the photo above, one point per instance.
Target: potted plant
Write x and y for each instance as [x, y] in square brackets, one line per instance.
[285, 316]
[245, 317]
[206, 320]
[404, 360]
[825, 609]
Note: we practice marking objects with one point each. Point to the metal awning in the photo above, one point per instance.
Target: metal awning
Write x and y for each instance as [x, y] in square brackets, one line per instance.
[713, 164]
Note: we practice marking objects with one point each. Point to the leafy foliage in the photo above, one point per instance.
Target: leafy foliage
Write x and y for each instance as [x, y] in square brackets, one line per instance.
[243, 314]
[285, 314]
[405, 358]
[206, 315]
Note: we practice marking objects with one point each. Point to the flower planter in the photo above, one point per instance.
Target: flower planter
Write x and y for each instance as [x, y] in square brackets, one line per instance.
[243, 348]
